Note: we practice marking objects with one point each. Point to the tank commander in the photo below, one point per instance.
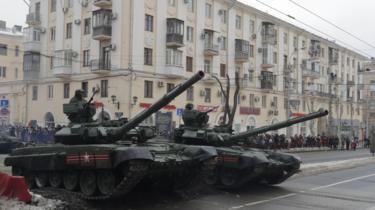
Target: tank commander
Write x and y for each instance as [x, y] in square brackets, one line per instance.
[83, 109]
[192, 117]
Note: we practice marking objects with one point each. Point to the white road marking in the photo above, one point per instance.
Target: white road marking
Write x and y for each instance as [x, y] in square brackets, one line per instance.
[294, 194]
[342, 182]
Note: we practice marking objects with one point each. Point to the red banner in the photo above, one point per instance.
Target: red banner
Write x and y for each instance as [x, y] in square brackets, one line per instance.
[202, 108]
[148, 105]
[249, 111]
[298, 114]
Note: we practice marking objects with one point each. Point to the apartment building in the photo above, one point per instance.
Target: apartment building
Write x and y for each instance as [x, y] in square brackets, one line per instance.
[12, 92]
[368, 92]
[137, 50]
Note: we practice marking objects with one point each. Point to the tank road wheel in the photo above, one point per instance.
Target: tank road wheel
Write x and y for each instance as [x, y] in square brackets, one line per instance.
[55, 179]
[106, 181]
[87, 182]
[41, 179]
[229, 178]
[211, 178]
[70, 180]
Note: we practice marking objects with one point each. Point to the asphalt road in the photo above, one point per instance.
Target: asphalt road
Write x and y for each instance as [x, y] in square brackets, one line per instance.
[326, 156]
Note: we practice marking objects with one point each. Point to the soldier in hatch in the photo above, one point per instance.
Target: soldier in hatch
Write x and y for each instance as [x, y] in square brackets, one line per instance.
[193, 117]
[84, 110]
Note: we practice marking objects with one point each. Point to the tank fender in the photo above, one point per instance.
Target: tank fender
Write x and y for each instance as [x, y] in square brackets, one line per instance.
[126, 154]
[252, 159]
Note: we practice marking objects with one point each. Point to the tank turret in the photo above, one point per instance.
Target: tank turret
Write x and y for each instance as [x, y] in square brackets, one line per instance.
[84, 131]
[222, 136]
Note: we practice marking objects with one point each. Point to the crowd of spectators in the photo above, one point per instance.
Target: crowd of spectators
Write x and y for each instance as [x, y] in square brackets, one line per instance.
[276, 141]
[31, 134]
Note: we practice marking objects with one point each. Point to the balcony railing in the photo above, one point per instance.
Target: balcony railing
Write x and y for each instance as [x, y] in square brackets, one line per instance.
[242, 50]
[33, 19]
[100, 66]
[63, 63]
[175, 40]
[103, 3]
[211, 49]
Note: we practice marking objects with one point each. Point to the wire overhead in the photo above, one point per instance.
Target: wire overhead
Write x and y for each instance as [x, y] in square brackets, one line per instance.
[314, 28]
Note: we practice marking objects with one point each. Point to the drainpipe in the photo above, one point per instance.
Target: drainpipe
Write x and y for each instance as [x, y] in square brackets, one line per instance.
[130, 64]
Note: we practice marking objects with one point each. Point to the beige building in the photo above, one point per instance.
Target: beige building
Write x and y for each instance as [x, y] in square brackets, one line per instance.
[136, 50]
[12, 89]
[368, 92]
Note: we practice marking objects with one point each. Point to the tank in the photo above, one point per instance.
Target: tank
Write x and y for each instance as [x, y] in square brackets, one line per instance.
[108, 159]
[8, 143]
[238, 164]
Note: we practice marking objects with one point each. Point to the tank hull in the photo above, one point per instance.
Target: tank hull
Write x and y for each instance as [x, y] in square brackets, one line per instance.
[107, 170]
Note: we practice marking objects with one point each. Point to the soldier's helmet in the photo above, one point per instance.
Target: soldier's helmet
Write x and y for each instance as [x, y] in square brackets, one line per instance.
[189, 106]
[79, 93]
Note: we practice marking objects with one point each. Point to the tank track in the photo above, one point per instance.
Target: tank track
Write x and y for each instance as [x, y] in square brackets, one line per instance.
[137, 171]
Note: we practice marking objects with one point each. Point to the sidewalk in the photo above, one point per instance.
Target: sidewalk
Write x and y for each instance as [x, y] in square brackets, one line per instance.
[312, 149]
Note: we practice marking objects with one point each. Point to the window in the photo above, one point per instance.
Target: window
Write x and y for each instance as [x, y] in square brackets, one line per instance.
[148, 56]
[223, 70]
[223, 43]
[170, 87]
[35, 93]
[189, 64]
[66, 90]
[295, 42]
[190, 34]
[70, 3]
[16, 73]
[275, 57]
[69, 30]
[264, 101]
[207, 95]
[149, 23]
[274, 102]
[53, 6]
[104, 88]
[285, 38]
[3, 49]
[86, 58]
[148, 89]
[323, 52]
[85, 88]
[224, 16]
[207, 66]
[17, 51]
[208, 10]
[174, 57]
[172, 3]
[190, 94]
[53, 33]
[50, 92]
[87, 29]
[190, 5]
[252, 100]
[238, 22]
[4, 72]
[252, 51]
[252, 27]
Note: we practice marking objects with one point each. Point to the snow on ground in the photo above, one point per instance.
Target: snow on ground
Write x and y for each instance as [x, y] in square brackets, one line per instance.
[38, 203]
[324, 167]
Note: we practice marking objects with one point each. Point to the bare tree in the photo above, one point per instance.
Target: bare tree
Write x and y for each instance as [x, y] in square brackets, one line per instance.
[235, 100]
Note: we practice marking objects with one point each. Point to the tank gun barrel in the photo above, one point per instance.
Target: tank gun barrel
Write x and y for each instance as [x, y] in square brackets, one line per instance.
[133, 122]
[284, 124]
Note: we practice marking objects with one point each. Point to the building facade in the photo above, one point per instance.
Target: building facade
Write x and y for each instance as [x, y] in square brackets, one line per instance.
[137, 50]
[368, 92]
[12, 92]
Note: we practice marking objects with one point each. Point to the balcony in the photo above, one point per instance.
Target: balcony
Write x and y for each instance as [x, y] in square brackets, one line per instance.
[173, 64]
[102, 25]
[242, 50]
[209, 78]
[268, 33]
[350, 82]
[175, 32]
[311, 90]
[211, 49]
[315, 49]
[103, 3]
[100, 66]
[333, 58]
[310, 69]
[266, 80]
[33, 19]
[267, 56]
[32, 40]
[31, 65]
[62, 63]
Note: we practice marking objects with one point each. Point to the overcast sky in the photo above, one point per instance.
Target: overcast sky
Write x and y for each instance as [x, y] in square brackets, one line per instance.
[355, 16]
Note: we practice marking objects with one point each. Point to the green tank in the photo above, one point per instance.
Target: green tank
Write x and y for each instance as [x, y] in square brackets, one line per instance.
[8, 143]
[101, 160]
[238, 164]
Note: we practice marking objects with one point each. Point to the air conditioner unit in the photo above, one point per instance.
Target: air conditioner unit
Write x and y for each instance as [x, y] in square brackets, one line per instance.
[270, 112]
[290, 66]
[187, 1]
[253, 36]
[84, 3]
[202, 93]
[113, 47]
[74, 54]
[42, 30]
[276, 113]
[219, 39]
[203, 36]
[260, 50]
[221, 12]
[160, 84]
[243, 97]
[77, 21]
[114, 16]
[256, 99]
[273, 104]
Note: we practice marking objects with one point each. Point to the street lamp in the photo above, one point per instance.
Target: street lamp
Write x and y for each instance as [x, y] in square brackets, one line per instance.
[115, 101]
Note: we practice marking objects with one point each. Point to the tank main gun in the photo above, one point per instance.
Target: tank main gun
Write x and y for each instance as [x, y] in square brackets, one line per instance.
[167, 98]
[280, 125]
